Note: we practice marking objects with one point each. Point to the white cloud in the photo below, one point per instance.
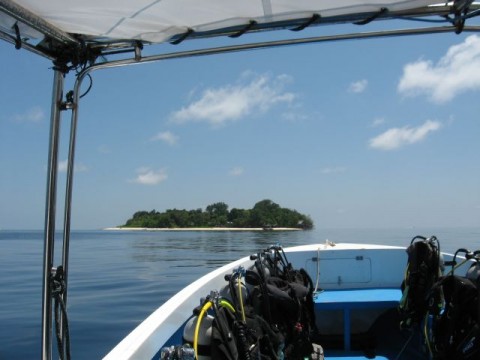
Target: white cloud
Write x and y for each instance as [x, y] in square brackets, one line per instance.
[333, 170]
[147, 176]
[252, 93]
[236, 171]
[358, 86]
[34, 114]
[397, 137]
[455, 72]
[104, 149]
[63, 165]
[167, 137]
[294, 117]
[377, 122]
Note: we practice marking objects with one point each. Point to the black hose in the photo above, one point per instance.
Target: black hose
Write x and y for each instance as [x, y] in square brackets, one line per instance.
[242, 336]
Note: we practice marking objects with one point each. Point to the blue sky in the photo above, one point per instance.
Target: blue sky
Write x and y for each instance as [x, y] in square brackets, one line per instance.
[370, 133]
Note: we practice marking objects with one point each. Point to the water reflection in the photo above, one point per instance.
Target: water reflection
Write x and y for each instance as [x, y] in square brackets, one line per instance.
[204, 247]
[118, 278]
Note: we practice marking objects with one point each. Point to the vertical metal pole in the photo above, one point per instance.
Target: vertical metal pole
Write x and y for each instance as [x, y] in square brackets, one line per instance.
[68, 198]
[69, 189]
[50, 209]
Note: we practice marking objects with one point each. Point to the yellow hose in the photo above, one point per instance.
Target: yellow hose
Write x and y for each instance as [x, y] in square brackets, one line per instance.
[455, 267]
[241, 300]
[205, 307]
[425, 333]
[227, 305]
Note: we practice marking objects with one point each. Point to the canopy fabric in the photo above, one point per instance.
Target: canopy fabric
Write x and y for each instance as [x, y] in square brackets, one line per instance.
[157, 21]
[73, 33]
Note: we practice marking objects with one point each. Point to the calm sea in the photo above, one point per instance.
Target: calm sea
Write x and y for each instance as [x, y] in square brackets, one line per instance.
[118, 278]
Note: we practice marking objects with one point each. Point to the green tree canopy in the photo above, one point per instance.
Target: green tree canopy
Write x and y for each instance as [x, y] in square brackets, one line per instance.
[264, 213]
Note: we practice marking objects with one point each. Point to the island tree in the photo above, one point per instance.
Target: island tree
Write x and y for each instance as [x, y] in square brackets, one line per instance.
[265, 213]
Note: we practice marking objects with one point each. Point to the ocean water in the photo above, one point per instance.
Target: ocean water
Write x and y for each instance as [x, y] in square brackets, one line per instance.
[117, 278]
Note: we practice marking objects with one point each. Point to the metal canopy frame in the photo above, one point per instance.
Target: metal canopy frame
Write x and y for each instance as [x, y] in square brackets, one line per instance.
[61, 46]
[68, 52]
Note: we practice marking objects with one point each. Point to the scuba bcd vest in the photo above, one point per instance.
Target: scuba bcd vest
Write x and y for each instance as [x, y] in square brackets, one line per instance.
[423, 270]
[264, 312]
[454, 321]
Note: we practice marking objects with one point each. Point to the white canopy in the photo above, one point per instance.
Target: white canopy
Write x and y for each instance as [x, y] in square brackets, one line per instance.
[158, 20]
[29, 22]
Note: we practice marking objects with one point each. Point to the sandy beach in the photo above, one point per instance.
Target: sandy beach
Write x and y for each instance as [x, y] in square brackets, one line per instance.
[200, 229]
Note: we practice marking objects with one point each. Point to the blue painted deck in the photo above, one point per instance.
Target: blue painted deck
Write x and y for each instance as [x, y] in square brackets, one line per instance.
[346, 300]
[354, 358]
[357, 299]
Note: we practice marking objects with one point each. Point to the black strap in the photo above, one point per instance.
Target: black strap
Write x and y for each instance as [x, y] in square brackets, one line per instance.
[182, 37]
[247, 27]
[18, 39]
[61, 318]
[371, 18]
[313, 19]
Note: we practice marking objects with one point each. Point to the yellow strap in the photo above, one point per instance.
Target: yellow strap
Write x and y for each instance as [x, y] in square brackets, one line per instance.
[241, 299]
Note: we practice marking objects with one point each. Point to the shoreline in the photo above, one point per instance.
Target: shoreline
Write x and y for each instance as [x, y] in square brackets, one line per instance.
[199, 229]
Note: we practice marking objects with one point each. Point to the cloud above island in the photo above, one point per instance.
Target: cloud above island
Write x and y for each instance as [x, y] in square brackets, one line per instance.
[252, 93]
[358, 87]
[236, 171]
[167, 137]
[455, 73]
[395, 138]
[148, 176]
[32, 115]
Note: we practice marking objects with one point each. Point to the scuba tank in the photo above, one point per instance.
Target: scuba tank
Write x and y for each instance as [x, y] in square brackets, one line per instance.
[210, 336]
[204, 335]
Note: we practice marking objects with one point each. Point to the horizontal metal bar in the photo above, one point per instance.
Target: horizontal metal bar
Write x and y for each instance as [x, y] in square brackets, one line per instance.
[34, 21]
[26, 46]
[273, 44]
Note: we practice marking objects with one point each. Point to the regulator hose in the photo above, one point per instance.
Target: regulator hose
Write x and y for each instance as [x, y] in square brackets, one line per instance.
[242, 309]
[226, 304]
[242, 335]
[205, 307]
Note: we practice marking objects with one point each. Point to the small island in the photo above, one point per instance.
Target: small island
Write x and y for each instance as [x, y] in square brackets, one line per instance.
[265, 215]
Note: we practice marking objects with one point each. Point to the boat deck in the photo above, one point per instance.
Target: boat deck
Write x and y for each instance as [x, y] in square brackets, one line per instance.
[346, 301]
